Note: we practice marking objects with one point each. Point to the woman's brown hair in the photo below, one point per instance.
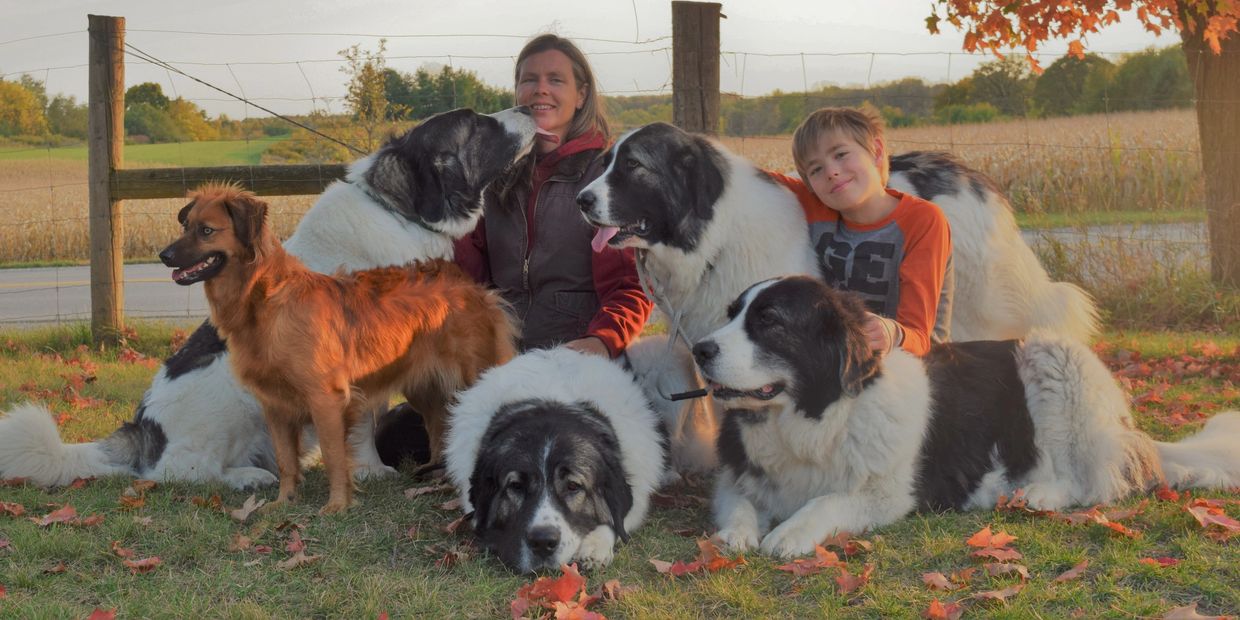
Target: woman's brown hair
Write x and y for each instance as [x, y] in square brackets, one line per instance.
[592, 115]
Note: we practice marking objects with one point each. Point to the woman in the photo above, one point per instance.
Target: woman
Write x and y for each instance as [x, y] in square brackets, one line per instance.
[532, 243]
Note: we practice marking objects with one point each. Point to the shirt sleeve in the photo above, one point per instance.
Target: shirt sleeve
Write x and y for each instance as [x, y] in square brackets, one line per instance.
[470, 254]
[928, 246]
[623, 306]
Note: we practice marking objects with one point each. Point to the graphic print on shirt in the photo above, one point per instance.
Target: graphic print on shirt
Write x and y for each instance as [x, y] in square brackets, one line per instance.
[865, 262]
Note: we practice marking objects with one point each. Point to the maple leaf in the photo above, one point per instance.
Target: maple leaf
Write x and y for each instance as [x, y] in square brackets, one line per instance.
[463, 520]
[295, 543]
[142, 486]
[145, 565]
[848, 582]
[1073, 573]
[1119, 515]
[711, 558]
[999, 554]
[1167, 494]
[613, 591]
[548, 592]
[214, 502]
[984, 538]
[12, 509]
[1189, 612]
[847, 544]
[1210, 515]
[132, 500]
[56, 569]
[938, 581]
[64, 514]
[80, 483]
[939, 611]
[1077, 49]
[1160, 562]
[13, 482]
[121, 551]
[1000, 595]
[102, 614]
[997, 568]
[3, 593]
[240, 542]
[299, 559]
[452, 504]
[963, 576]
[251, 504]
[809, 566]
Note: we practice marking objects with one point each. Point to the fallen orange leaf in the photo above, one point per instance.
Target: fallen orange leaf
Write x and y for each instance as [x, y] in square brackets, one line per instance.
[1000, 595]
[939, 611]
[102, 614]
[1161, 562]
[1073, 573]
[145, 565]
[848, 582]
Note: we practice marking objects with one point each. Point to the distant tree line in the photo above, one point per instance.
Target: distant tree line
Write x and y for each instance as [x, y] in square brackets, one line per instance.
[381, 99]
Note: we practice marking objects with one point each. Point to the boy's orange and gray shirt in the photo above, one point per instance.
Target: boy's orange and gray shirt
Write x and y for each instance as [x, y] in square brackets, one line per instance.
[900, 266]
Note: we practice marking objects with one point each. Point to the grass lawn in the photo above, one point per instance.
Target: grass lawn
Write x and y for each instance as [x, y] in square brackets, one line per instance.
[217, 153]
[389, 554]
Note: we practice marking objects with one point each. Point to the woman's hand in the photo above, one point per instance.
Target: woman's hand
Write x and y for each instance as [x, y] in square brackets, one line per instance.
[590, 345]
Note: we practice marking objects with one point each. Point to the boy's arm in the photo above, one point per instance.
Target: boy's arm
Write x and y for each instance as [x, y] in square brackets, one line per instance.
[928, 246]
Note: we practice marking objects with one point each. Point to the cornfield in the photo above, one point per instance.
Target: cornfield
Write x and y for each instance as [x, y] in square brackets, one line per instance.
[1130, 161]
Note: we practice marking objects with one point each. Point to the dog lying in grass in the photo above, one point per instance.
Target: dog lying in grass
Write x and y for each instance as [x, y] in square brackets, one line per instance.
[326, 350]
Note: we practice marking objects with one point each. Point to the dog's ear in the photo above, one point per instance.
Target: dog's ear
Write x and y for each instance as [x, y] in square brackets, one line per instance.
[701, 167]
[442, 188]
[617, 497]
[857, 361]
[249, 216]
[183, 215]
[483, 485]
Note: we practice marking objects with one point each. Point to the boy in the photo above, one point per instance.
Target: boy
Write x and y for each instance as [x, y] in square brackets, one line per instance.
[891, 248]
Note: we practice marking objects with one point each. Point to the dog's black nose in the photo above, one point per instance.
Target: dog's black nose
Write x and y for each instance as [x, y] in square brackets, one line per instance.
[167, 256]
[543, 540]
[586, 199]
[524, 109]
[705, 351]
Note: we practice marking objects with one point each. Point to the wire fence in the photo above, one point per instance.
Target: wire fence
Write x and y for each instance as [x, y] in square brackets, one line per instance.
[1105, 165]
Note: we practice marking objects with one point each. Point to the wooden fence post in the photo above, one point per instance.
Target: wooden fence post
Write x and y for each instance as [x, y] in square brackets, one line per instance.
[695, 66]
[106, 139]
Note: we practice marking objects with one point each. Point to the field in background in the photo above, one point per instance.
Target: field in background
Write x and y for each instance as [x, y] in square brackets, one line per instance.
[1139, 161]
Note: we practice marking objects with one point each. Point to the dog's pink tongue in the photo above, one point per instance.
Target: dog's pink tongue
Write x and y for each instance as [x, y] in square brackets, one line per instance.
[546, 136]
[603, 235]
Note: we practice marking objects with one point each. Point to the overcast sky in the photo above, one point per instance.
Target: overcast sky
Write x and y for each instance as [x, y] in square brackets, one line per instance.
[283, 53]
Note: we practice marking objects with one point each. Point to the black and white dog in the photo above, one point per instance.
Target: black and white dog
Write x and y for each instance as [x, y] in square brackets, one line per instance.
[556, 453]
[820, 435]
[407, 201]
[712, 224]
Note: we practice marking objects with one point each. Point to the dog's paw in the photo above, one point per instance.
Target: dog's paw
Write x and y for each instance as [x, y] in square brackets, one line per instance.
[241, 478]
[373, 472]
[738, 538]
[788, 540]
[597, 549]
[1047, 496]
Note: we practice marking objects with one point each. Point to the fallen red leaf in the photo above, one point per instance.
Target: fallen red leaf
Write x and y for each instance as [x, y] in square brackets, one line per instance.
[708, 559]
[1160, 562]
[299, 559]
[848, 545]
[1120, 515]
[240, 542]
[63, 514]
[295, 543]
[56, 569]
[1000, 595]
[121, 551]
[456, 524]
[984, 538]
[848, 582]
[214, 502]
[809, 566]
[143, 486]
[12, 509]
[1212, 518]
[1073, 573]
[3, 593]
[1002, 555]
[80, 483]
[102, 614]
[145, 565]
[548, 592]
[939, 611]
[13, 482]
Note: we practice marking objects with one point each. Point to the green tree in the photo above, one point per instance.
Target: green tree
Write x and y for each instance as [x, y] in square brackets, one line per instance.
[1005, 83]
[366, 96]
[66, 117]
[149, 93]
[20, 112]
[144, 119]
[1152, 80]
[1072, 85]
[36, 88]
[191, 120]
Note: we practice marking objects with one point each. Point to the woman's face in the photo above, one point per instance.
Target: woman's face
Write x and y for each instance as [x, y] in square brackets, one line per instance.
[546, 84]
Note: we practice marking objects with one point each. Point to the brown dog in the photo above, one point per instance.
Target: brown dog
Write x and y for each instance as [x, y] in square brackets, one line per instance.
[328, 349]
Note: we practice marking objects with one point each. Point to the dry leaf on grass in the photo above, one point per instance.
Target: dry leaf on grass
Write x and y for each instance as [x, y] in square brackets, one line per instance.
[102, 614]
[708, 560]
[251, 504]
[998, 554]
[1000, 595]
[452, 504]
[939, 611]
[214, 502]
[984, 538]
[295, 543]
[240, 542]
[64, 514]
[142, 486]
[994, 569]
[564, 595]
[12, 509]
[1209, 513]
[3, 593]
[121, 551]
[939, 581]
[300, 558]
[1167, 494]
[848, 545]
[809, 566]
[1073, 573]
[56, 569]
[413, 492]
[1160, 562]
[145, 565]
[849, 582]
[1189, 612]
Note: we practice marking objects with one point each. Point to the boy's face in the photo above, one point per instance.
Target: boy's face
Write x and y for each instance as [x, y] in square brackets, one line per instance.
[843, 173]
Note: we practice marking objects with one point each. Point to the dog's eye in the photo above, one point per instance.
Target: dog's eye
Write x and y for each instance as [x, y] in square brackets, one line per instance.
[632, 164]
[572, 486]
[206, 231]
[767, 317]
[515, 485]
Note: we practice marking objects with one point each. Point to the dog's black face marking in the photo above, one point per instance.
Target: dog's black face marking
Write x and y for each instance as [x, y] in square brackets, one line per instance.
[804, 330]
[661, 185]
[548, 474]
[936, 173]
[966, 438]
[448, 160]
[202, 348]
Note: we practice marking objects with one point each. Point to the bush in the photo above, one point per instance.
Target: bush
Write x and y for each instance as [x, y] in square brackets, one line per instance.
[959, 113]
[148, 120]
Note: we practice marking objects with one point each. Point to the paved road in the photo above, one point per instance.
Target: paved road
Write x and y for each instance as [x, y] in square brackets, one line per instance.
[60, 294]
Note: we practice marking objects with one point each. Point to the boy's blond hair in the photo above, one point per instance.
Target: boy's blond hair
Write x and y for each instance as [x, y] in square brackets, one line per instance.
[863, 125]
